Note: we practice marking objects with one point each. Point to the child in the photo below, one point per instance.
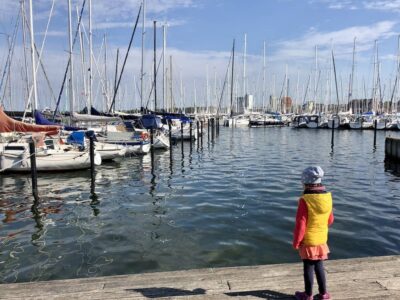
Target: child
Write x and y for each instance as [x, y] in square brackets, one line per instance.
[314, 215]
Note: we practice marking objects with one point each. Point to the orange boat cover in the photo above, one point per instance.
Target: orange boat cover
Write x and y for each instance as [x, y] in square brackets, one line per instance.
[8, 124]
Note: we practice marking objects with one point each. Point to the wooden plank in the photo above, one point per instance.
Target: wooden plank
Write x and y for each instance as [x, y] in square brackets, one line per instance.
[361, 278]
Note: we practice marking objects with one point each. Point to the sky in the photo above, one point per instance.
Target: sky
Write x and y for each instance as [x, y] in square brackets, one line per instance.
[199, 37]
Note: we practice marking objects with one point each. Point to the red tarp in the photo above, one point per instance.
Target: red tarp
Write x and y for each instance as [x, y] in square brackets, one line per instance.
[8, 124]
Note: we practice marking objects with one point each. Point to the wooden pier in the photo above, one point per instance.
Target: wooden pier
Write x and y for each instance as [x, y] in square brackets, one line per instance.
[364, 278]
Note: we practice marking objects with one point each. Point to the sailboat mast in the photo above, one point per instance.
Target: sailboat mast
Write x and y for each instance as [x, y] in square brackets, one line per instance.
[195, 97]
[83, 64]
[164, 72]
[105, 73]
[316, 75]
[24, 43]
[336, 83]
[264, 79]
[155, 65]
[33, 56]
[374, 81]
[352, 76]
[90, 101]
[142, 63]
[286, 84]
[71, 69]
[244, 66]
[396, 83]
[207, 91]
[232, 75]
[170, 83]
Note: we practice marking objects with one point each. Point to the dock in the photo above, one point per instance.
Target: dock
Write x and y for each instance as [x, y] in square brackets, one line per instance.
[361, 278]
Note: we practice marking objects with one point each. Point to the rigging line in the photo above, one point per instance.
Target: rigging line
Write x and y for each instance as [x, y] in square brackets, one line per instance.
[126, 57]
[39, 54]
[10, 53]
[100, 73]
[223, 87]
[69, 62]
[152, 85]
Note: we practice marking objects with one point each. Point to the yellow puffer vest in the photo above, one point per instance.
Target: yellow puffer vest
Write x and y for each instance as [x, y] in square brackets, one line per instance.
[319, 209]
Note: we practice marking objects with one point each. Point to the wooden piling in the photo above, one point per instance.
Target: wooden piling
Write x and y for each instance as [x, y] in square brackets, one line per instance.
[32, 153]
[212, 128]
[208, 130]
[217, 126]
[375, 129]
[198, 132]
[92, 165]
[182, 134]
[333, 133]
[170, 134]
[201, 125]
[191, 134]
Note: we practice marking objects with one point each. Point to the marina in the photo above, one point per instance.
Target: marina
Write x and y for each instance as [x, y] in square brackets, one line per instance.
[149, 150]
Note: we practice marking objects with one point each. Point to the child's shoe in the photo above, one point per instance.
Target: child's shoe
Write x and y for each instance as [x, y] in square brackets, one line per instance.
[325, 296]
[303, 296]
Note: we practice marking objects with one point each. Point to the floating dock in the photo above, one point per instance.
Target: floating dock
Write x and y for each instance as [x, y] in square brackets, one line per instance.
[364, 278]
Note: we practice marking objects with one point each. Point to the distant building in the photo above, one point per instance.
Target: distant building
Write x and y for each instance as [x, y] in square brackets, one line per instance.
[244, 105]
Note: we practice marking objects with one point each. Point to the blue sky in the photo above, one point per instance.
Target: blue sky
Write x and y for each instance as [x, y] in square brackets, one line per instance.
[199, 37]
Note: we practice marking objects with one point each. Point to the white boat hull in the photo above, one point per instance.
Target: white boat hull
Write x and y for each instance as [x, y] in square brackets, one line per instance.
[110, 151]
[46, 160]
[312, 125]
[331, 125]
[355, 125]
[161, 142]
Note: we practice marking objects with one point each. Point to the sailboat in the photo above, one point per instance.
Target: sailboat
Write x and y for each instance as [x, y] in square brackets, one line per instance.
[51, 153]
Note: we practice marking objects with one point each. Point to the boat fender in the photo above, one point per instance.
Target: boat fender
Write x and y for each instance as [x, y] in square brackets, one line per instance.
[97, 159]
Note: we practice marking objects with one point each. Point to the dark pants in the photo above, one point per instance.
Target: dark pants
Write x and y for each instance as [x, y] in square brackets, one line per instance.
[309, 267]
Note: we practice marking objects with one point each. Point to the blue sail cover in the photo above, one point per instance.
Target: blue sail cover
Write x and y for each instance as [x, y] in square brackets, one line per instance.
[77, 138]
[151, 122]
[41, 120]
[182, 118]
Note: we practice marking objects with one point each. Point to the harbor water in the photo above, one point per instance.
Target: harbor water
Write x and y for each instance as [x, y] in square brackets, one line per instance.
[227, 202]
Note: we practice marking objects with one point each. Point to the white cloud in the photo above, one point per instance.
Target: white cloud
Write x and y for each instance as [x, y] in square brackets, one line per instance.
[382, 5]
[338, 4]
[341, 39]
[114, 25]
[53, 33]
[386, 5]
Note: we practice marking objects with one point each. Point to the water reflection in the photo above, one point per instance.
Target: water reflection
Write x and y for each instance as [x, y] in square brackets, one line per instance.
[94, 204]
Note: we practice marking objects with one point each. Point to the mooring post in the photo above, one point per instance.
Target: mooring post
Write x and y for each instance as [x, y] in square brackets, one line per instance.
[212, 128]
[32, 153]
[201, 125]
[182, 134]
[191, 134]
[208, 129]
[375, 129]
[333, 132]
[198, 133]
[217, 126]
[91, 153]
[170, 134]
